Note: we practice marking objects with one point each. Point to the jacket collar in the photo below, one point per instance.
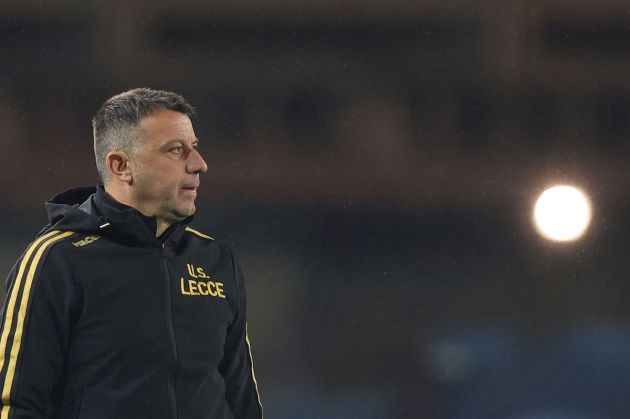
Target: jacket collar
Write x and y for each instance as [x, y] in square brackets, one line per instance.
[93, 210]
[130, 223]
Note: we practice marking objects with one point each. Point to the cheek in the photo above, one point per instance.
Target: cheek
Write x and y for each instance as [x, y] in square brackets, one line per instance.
[157, 181]
[155, 184]
[168, 187]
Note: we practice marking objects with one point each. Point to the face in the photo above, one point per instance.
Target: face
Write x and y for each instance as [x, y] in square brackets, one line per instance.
[167, 166]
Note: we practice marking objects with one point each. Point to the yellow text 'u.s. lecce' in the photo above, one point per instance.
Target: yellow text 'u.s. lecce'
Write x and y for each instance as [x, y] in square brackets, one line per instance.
[200, 284]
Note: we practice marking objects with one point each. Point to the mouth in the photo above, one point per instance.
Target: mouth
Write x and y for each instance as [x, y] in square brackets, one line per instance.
[191, 189]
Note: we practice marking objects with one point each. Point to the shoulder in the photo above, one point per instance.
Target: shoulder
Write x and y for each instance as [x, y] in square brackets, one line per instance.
[42, 250]
[58, 245]
[204, 239]
[197, 233]
[62, 248]
[45, 243]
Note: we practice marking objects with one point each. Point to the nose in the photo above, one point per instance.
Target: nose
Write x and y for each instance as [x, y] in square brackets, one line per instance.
[196, 163]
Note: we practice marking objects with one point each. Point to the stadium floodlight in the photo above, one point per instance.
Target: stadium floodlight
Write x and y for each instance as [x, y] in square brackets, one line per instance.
[562, 213]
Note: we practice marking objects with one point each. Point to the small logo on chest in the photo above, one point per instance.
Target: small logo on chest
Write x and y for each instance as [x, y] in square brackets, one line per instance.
[87, 240]
[200, 284]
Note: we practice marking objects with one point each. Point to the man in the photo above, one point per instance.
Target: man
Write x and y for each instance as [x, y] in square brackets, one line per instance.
[119, 309]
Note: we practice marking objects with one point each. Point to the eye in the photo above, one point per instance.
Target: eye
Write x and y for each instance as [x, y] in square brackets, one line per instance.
[177, 150]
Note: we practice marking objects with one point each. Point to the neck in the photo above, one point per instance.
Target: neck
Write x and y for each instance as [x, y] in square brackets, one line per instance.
[161, 227]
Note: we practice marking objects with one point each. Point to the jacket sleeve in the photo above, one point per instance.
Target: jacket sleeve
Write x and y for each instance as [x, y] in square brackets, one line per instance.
[35, 330]
[237, 365]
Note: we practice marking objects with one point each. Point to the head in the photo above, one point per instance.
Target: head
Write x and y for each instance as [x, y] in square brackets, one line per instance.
[146, 152]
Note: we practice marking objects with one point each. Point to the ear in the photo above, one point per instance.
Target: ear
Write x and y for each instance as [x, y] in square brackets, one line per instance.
[118, 165]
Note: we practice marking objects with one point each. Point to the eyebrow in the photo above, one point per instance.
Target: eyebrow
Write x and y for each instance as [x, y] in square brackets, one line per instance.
[181, 140]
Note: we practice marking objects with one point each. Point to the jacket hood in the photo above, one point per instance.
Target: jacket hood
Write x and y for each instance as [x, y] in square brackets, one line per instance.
[70, 210]
[91, 210]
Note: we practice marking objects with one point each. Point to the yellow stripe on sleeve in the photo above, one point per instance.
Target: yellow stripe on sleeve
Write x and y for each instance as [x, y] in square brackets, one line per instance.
[17, 283]
[251, 361]
[198, 233]
[19, 328]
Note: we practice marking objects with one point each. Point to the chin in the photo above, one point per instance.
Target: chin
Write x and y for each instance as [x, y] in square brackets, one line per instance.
[177, 214]
[187, 212]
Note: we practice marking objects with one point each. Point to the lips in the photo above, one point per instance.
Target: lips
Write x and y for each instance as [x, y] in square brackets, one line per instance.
[190, 189]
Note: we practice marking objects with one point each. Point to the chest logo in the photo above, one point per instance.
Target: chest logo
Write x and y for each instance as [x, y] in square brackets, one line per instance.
[87, 240]
[199, 283]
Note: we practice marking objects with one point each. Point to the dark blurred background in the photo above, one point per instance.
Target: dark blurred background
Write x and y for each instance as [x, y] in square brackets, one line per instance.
[374, 164]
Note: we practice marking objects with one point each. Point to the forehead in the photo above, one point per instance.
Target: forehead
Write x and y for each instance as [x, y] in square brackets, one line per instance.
[165, 125]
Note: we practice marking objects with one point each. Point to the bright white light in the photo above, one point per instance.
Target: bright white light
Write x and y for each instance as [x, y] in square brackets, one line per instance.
[562, 213]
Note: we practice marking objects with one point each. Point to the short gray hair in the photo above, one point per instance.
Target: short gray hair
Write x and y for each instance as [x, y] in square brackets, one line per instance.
[115, 123]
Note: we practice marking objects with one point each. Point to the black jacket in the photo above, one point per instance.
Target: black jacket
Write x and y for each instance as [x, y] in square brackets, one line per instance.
[103, 320]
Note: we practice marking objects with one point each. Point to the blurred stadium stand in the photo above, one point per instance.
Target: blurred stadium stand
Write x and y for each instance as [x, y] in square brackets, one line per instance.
[373, 163]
